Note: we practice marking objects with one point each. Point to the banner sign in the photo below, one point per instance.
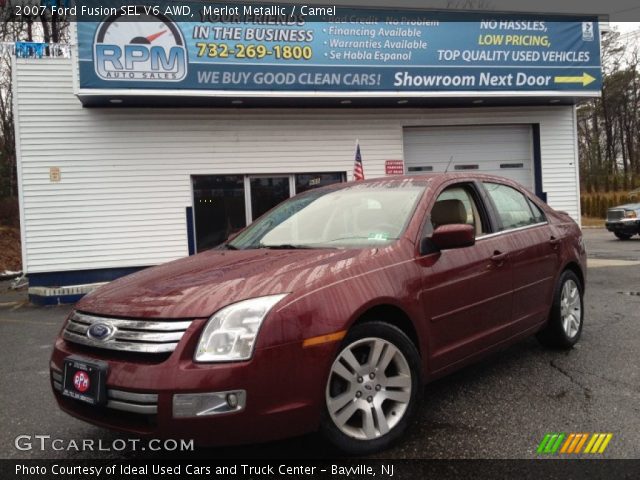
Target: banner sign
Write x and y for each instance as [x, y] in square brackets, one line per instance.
[207, 47]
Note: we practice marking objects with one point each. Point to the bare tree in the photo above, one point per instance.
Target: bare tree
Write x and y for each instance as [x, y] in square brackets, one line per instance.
[608, 127]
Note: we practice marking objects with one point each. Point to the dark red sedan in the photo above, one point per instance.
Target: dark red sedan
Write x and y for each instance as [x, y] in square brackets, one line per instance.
[329, 312]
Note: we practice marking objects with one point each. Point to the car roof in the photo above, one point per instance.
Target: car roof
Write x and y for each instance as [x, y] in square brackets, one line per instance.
[441, 178]
[428, 179]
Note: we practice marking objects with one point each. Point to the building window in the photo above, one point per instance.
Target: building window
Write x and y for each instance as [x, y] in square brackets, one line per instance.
[223, 204]
[219, 208]
[467, 167]
[309, 181]
[267, 192]
[428, 168]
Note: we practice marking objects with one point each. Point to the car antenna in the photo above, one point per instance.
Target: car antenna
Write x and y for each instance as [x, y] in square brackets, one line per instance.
[448, 164]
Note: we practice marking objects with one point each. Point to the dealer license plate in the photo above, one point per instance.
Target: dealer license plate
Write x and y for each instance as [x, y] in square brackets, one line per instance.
[85, 380]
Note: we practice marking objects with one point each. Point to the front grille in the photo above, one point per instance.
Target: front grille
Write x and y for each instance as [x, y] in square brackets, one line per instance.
[139, 336]
[141, 403]
[613, 215]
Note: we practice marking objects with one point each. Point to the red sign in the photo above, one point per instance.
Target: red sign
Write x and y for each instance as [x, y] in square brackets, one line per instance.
[81, 381]
[394, 167]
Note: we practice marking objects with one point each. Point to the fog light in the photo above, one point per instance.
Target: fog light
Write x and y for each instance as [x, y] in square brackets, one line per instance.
[232, 400]
[204, 404]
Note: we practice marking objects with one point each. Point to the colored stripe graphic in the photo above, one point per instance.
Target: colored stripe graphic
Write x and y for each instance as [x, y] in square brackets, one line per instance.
[556, 445]
[598, 443]
[543, 443]
[596, 446]
[604, 445]
[573, 442]
[550, 443]
[594, 437]
[582, 442]
[570, 442]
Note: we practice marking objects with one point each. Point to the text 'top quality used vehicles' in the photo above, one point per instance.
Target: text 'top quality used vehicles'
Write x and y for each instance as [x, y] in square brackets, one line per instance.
[328, 313]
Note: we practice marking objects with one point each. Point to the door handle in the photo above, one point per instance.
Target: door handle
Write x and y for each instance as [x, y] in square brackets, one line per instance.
[554, 242]
[498, 258]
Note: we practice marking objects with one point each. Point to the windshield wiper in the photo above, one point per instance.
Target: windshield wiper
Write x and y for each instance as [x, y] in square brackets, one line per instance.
[286, 246]
[228, 246]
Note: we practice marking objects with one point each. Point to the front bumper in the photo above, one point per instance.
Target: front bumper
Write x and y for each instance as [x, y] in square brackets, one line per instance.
[626, 227]
[284, 388]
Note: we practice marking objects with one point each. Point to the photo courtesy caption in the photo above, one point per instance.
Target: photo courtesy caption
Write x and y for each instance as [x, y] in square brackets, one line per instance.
[155, 469]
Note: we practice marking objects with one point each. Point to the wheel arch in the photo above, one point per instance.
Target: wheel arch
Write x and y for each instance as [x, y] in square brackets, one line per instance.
[393, 315]
[575, 268]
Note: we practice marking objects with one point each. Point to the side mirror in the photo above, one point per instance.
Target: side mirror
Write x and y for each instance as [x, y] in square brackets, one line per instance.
[457, 235]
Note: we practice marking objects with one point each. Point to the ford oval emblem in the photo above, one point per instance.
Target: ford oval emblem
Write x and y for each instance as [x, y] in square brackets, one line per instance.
[101, 331]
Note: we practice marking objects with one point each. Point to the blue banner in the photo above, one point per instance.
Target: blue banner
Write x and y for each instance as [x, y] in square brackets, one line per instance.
[207, 47]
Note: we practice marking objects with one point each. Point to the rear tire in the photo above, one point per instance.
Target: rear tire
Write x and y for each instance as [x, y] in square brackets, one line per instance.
[623, 236]
[372, 390]
[566, 319]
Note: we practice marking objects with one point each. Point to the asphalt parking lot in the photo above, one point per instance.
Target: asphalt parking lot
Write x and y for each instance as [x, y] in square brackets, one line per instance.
[499, 408]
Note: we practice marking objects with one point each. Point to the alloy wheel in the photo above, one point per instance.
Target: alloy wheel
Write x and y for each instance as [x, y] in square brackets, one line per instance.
[369, 388]
[571, 308]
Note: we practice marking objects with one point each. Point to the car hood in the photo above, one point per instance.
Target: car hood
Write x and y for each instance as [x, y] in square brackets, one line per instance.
[198, 286]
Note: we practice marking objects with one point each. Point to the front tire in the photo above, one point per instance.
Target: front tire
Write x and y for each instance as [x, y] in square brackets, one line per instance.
[622, 236]
[373, 387]
[564, 327]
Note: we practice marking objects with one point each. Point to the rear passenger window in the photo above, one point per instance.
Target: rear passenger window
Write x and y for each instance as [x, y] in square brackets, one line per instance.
[537, 213]
[513, 207]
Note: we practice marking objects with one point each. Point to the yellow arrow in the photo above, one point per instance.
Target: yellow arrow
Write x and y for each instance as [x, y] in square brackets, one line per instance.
[585, 79]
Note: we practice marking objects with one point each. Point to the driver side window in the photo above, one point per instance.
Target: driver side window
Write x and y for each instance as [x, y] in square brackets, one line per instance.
[457, 205]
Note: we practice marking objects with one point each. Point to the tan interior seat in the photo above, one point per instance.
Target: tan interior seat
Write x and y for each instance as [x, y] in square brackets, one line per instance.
[446, 212]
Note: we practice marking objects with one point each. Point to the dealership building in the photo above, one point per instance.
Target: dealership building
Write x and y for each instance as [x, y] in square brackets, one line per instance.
[160, 137]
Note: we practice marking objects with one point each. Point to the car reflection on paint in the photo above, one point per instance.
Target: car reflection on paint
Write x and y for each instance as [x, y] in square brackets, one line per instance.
[329, 313]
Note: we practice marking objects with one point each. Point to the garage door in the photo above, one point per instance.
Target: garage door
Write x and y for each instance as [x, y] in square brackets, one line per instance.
[504, 150]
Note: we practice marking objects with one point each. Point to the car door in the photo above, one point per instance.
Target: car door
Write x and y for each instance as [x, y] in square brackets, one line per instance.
[534, 253]
[466, 293]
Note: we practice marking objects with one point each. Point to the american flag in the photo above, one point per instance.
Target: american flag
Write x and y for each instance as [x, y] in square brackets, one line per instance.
[358, 171]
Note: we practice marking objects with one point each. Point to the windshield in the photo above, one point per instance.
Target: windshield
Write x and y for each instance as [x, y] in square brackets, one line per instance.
[362, 215]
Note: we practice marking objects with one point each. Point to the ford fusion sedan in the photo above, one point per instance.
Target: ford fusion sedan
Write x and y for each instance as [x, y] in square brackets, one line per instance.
[329, 313]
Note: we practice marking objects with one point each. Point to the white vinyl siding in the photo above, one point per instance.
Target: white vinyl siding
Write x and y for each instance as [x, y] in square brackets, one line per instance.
[126, 173]
[489, 147]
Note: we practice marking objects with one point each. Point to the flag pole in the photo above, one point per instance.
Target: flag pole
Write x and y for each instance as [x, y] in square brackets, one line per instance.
[355, 151]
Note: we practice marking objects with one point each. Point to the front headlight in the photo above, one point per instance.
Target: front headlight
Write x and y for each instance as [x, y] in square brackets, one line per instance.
[230, 333]
[630, 214]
